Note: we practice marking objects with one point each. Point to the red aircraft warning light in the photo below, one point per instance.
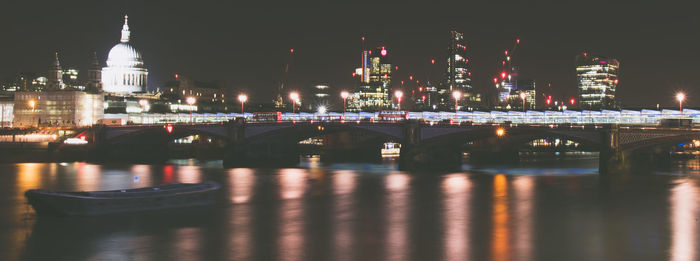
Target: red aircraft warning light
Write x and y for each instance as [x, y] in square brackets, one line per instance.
[503, 75]
[572, 101]
[169, 128]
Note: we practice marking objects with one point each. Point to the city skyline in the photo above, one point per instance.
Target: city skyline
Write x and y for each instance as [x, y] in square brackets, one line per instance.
[206, 43]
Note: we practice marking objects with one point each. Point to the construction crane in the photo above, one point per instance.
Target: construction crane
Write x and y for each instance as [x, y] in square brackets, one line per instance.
[279, 100]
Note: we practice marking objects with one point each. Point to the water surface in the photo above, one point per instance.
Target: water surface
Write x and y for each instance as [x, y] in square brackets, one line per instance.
[557, 211]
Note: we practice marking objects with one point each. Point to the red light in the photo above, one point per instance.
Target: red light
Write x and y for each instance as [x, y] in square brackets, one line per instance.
[470, 74]
[169, 128]
[420, 89]
[383, 52]
[401, 82]
[503, 75]
[506, 52]
[585, 54]
[504, 63]
[410, 77]
[363, 38]
[396, 68]
[466, 60]
[82, 137]
[616, 81]
[432, 61]
[424, 97]
[353, 74]
[549, 101]
[177, 76]
[517, 41]
[291, 50]
[572, 101]
[495, 80]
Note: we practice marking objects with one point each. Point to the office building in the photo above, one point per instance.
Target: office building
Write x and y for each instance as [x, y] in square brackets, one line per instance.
[373, 93]
[57, 108]
[597, 81]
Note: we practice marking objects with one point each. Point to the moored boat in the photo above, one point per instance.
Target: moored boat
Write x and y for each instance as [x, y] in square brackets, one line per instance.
[89, 203]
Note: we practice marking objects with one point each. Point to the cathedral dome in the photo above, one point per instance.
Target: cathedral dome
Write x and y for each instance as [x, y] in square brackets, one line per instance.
[125, 72]
[124, 55]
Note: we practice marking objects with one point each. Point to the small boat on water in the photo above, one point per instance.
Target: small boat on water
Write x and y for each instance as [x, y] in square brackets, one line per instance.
[89, 203]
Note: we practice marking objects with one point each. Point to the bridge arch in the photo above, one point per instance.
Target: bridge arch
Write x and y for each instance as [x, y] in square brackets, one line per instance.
[160, 133]
[301, 131]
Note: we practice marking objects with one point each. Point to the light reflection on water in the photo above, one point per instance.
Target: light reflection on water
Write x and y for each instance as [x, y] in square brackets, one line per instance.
[362, 213]
[684, 218]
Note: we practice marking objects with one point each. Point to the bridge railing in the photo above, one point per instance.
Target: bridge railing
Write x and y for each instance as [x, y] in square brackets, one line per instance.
[625, 117]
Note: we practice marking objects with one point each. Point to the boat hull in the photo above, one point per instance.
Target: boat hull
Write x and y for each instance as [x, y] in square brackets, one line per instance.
[48, 203]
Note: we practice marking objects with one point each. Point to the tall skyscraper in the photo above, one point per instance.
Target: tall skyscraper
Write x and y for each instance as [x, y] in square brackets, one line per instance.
[125, 72]
[55, 77]
[458, 75]
[597, 81]
[373, 93]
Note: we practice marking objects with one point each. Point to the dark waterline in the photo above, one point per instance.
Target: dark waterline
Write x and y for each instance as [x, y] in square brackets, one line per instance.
[558, 210]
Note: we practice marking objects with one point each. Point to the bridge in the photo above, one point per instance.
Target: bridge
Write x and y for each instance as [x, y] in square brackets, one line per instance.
[425, 145]
[643, 116]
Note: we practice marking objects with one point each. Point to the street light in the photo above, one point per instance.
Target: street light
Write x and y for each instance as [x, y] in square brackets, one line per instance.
[191, 100]
[680, 97]
[456, 95]
[294, 96]
[344, 95]
[522, 96]
[500, 132]
[398, 94]
[322, 109]
[242, 98]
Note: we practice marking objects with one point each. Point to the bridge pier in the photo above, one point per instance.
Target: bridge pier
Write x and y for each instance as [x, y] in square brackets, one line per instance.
[416, 155]
[423, 157]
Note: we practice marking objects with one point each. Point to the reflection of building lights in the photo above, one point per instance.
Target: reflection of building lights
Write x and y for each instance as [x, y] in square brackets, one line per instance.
[500, 247]
[684, 211]
[456, 195]
[397, 182]
[242, 181]
[292, 183]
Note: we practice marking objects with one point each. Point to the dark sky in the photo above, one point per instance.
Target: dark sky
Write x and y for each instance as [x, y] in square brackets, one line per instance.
[246, 47]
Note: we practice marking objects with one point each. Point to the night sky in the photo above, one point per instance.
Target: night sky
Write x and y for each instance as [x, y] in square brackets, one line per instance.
[246, 47]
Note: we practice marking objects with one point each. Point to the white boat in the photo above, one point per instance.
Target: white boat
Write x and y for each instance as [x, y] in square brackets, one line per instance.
[391, 149]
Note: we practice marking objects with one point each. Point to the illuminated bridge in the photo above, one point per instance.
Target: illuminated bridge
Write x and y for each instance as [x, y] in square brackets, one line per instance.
[530, 117]
[425, 144]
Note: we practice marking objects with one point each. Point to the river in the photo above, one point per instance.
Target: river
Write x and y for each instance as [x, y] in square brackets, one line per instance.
[547, 210]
